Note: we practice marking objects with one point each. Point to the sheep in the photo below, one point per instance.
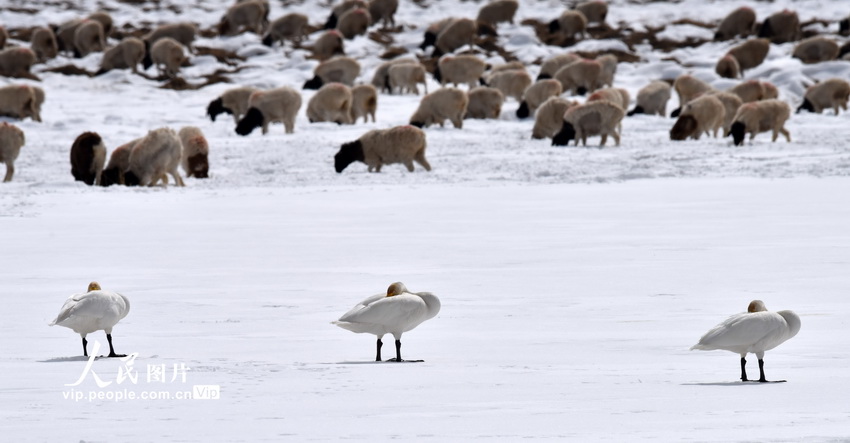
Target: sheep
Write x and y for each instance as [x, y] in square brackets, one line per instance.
[652, 99]
[43, 44]
[406, 76]
[569, 23]
[11, 141]
[536, 94]
[88, 154]
[741, 21]
[703, 114]
[233, 101]
[484, 102]
[457, 34]
[364, 102]
[19, 101]
[618, 96]
[515, 65]
[127, 54]
[88, 38]
[511, 83]
[105, 21]
[762, 116]
[550, 117]
[843, 27]
[816, 50]
[378, 147]
[167, 54]
[688, 87]
[754, 90]
[195, 156]
[442, 104]
[731, 103]
[460, 69]
[274, 105]
[580, 77]
[381, 80]
[781, 27]
[383, 10]
[498, 11]
[728, 67]
[354, 22]
[16, 62]
[331, 103]
[751, 53]
[289, 27]
[4, 37]
[609, 68]
[340, 69]
[832, 93]
[341, 9]
[65, 35]
[154, 156]
[328, 45]
[183, 32]
[244, 16]
[38, 93]
[594, 11]
[119, 161]
[594, 118]
[433, 30]
[553, 64]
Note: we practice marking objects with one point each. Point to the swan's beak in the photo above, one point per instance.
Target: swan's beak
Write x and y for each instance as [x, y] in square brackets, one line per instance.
[94, 286]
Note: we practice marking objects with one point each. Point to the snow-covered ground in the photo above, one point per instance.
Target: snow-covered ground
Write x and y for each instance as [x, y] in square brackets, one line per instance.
[573, 281]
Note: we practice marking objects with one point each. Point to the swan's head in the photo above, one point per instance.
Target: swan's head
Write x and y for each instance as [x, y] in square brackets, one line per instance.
[94, 286]
[396, 289]
[756, 306]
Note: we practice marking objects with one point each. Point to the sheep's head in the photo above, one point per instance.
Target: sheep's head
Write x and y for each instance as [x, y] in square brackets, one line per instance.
[738, 131]
[348, 154]
[131, 179]
[486, 29]
[844, 27]
[438, 76]
[216, 107]
[637, 110]
[313, 83]
[554, 26]
[563, 137]
[147, 61]
[806, 106]
[417, 123]
[685, 127]
[523, 111]
[331, 22]
[430, 39]
[253, 119]
[111, 176]
[766, 30]
[198, 166]
[224, 27]
[268, 40]
[676, 112]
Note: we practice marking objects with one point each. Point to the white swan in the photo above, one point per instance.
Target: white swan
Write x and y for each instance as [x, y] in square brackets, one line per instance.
[756, 331]
[395, 312]
[95, 310]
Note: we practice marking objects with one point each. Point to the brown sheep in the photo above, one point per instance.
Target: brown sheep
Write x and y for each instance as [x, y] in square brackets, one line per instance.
[265, 107]
[652, 99]
[195, 157]
[618, 96]
[609, 68]
[289, 27]
[728, 67]
[331, 103]
[741, 21]
[460, 69]
[65, 35]
[329, 44]
[167, 54]
[383, 10]
[88, 38]
[550, 117]
[751, 53]
[688, 87]
[442, 104]
[569, 24]
[43, 44]
[105, 20]
[340, 70]
[553, 64]
[595, 118]
[127, 54]
[119, 161]
[536, 94]
[233, 101]
[381, 77]
[484, 103]
[580, 77]
[19, 101]
[244, 16]
[378, 147]
[433, 30]
[16, 62]
[731, 103]
[595, 11]
[832, 93]
[341, 9]
[498, 11]
[88, 155]
[762, 116]
[364, 102]
[354, 22]
[458, 33]
[754, 90]
[11, 141]
[816, 50]
[183, 32]
[511, 83]
[781, 27]
[406, 76]
[704, 114]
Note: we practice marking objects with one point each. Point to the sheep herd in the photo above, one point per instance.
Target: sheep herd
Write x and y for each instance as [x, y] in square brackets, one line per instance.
[470, 87]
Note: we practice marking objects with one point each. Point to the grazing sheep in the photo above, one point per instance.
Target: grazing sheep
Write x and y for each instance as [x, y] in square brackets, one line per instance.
[569, 24]
[594, 11]
[816, 50]
[340, 70]
[832, 93]
[383, 10]
[127, 54]
[553, 64]
[550, 117]
[154, 156]
[484, 103]
[595, 118]
[728, 67]
[233, 101]
[762, 116]
[244, 16]
[609, 68]
[196, 150]
[167, 54]
[88, 38]
[511, 83]
[19, 101]
[739, 22]
[364, 102]
[458, 33]
[433, 30]
[617, 96]
[65, 35]
[731, 103]
[274, 105]
[11, 140]
[406, 76]
[754, 90]
[88, 154]
[331, 103]
[498, 11]
[781, 27]
[580, 77]
[378, 147]
[105, 21]
[381, 79]
[442, 104]
[460, 69]
[16, 62]
[119, 161]
[341, 9]
[38, 93]
[688, 87]
[289, 27]
[536, 94]
[751, 53]
[509, 66]
[704, 114]
[328, 45]
[43, 44]
[652, 99]
[183, 32]
[354, 22]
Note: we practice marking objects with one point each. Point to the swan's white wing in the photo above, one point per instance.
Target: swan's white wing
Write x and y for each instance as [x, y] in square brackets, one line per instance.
[67, 308]
[94, 305]
[396, 311]
[360, 306]
[743, 330]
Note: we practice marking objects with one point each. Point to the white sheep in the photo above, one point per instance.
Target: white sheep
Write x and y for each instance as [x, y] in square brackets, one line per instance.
[378, 147]
[731, 103]
[618, 96]
[339, 69]
[291, 26]
[275, 105]
[406, 76]
[329, 44]
[364, 103]
[167, 54]
[232, 101]
[741, 21]
[554, 63]
[127, 54]
[512, 83]
[383, 10]
[688, 87]
[16, 62]
[595, 118]
[498, 11]
[43, 44]
[580, 77]
[568, 24]
[484, 102]
[652, 99]
[442, 104]
[381, 77]
[754, 90]
[536, 94]
[609, 69]
[244, 16]
[832, 93]
[459, 33]
[761, 116]
[196, 150]
[19, 101]
[460, 69]
[704, 114]
[11, 141]
[594, 11]
[154, 156]
[88, 154]
[816, 49]
[550, 117]
[354, 22]
[183, 32]
[331, 103]
[88, 38]
[341, 9]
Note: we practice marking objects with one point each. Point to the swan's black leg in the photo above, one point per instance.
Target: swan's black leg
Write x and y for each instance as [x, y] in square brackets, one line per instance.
[398, 351]
[744, 369]
[761, 371]
[85, 352]
[111, 349]
[380, 343]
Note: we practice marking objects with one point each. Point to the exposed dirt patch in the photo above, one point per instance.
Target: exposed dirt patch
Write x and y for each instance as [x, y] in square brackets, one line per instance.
[393, 52]
[223, 56]
[69, 70]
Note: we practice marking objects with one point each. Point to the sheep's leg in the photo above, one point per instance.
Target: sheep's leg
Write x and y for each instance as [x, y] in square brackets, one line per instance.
[177, 179]
[97, 175]
[616, 135]
[378, 167]
[425, 85]
[420, 158]
[786, 134]
[10, 171]
[604, 139]
[409, 165]
[289, 125]
[265, 127]
[457, 122]
[775, 135]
